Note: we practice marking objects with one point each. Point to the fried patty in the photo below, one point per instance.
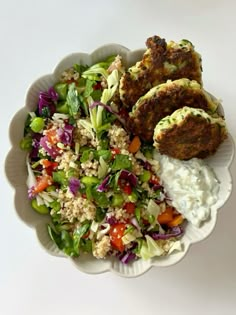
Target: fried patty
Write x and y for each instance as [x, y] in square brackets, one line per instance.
[161, 61]
[188, 133]
[163, 100]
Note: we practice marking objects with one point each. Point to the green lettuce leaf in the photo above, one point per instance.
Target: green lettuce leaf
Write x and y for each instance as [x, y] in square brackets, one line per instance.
[150, 248]
[73, 99]
[121, 162]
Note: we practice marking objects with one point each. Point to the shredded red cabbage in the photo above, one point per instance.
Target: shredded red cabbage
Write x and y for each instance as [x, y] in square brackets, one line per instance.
[74, 185]
[107, 107]
[146, 165]
[135, 223]
[31, 193]
[130, 177]
[174, 232]
[104, 185]
[127, 257]
[111, 220]
[157, 187]
[35, 146]
[51, 150]
[65, 134]
[53, 94]
[46, 104]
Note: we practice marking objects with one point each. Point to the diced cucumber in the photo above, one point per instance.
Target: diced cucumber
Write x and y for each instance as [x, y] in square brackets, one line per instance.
[90, 180]
[145, 176]
[42, 209]
[117, 200]
[61, 89]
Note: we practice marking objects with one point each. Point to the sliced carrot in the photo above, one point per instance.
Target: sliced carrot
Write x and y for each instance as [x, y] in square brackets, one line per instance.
[176, 221]
[166, 216]
[134, 145]
[42, 183]
[47, 163]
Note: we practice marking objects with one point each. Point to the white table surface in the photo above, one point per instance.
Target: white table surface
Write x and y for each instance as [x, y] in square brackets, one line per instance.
[34, 36]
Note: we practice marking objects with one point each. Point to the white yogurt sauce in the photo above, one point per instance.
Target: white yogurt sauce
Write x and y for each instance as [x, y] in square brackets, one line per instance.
[191, 185]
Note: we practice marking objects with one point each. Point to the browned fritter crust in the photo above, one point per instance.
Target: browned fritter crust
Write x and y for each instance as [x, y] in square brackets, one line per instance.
[152, 69]
[195, 137]
[149, 112]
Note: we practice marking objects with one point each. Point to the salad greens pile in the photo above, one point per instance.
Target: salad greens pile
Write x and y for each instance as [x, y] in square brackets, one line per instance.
[96, 181]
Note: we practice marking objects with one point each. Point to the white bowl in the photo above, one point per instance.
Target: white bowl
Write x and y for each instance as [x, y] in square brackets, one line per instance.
[17, 174]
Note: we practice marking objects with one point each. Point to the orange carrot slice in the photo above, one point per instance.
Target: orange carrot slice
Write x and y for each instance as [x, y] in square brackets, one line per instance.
[134, 145]
[166, 216]
[176, 221]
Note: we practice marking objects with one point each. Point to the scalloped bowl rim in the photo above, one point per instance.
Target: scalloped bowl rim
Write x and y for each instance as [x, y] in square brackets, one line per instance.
[16, 172]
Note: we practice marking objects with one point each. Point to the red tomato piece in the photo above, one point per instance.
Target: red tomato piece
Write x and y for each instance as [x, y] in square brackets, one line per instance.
[49, 166]
[97, 86]
[116, 233]
[154, 180]
[115, 151]
[127, 189]
[129, 207]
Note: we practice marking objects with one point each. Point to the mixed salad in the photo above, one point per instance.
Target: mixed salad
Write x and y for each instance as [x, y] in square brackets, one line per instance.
[98, 183]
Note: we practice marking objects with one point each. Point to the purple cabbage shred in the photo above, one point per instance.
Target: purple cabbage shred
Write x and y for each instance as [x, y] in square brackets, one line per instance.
[174, 232]
[35, 146]
[104, 185]
[46, 104]
[111, 220]
[128, 176]
[31, 193]
[65, 134]
[74, 185]
[127, 257]
[48, 148]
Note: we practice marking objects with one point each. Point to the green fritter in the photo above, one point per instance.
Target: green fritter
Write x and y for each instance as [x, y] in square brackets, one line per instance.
[161, 61]
[188, 133]
[163, 100]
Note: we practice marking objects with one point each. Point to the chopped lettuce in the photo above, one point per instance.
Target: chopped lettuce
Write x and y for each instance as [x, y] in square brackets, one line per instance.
[150, 248]
[121, 162]
[112, 82]
[73, 99]
[103, 168]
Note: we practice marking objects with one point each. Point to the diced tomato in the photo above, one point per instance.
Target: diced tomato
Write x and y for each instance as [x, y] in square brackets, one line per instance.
[97, 86]
[49, 166]
[116, 233]
[125, 186]
[127, 189]
[154, 180]
[129, 207]
[145, 222]
[42, 183]
[115, 151]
